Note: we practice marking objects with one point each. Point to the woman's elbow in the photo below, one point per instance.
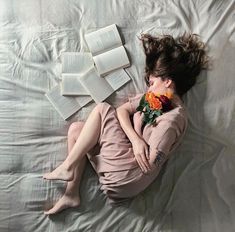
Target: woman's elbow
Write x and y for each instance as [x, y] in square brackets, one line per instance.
[120, 111]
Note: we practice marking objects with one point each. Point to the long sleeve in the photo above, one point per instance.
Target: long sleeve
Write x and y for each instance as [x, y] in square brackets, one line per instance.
[162, 140]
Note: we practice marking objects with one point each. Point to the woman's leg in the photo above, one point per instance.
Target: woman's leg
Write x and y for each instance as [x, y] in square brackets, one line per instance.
[88, 139]
[71, 196]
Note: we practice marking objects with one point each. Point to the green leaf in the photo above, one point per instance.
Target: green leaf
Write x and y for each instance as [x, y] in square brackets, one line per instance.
[152, 120]
[142, 100]
[147, 108]
[145, 119]
[141, 104]
[151, 115]
[140, 108]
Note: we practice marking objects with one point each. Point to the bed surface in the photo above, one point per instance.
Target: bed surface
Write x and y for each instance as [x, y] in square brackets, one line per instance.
[194, 193]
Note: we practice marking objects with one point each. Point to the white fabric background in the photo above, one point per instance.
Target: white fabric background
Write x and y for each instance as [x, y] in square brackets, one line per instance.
[196, 190]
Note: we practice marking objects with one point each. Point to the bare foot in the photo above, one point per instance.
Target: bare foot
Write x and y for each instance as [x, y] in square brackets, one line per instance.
[60, 173]
[65, 202]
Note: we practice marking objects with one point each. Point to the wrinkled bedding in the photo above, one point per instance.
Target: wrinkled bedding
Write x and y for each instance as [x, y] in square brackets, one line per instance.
[195, 191]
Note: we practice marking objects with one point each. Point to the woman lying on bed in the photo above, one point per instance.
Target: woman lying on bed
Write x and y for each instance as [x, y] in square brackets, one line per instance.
[137, 138]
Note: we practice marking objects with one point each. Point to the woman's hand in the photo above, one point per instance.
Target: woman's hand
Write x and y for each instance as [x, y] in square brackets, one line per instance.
[140, 148]
[141, 152]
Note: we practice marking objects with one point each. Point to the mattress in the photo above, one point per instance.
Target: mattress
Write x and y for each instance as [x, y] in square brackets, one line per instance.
[194, 192]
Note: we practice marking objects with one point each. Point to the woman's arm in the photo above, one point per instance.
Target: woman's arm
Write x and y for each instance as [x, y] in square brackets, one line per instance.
[140, 148]
[161, 141]
[138, 121]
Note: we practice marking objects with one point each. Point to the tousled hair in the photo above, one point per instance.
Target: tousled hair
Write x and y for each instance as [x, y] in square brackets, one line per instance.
[180, 59]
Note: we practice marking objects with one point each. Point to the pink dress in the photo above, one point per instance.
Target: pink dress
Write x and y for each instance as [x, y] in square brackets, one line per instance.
[119, 173]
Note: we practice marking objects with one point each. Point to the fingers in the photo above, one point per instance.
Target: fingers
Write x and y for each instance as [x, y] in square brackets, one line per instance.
[146, 163]
[141, 152]
[143, 163]
[147, 152]
[140, 164]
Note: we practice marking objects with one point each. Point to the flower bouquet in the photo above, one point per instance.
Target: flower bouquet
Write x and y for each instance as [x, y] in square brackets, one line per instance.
[153, 105]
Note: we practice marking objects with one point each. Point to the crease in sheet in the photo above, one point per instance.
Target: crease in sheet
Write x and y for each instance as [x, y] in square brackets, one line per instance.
[219, 23]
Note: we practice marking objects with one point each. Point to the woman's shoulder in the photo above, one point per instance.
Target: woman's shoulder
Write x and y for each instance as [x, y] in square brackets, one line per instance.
[134, 97]
[176, 117]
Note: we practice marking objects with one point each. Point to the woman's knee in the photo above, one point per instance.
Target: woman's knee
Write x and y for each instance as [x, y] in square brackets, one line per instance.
[101, 106]
[75, 129]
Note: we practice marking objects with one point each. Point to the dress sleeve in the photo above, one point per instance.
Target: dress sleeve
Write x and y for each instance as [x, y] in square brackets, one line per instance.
[161, 141]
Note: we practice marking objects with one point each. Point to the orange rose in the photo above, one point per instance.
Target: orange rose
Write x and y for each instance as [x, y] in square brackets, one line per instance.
[149, 96]
[153, 101]
[155, 104]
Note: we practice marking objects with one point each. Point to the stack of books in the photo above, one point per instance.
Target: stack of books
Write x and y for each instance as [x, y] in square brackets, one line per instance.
[93, 75]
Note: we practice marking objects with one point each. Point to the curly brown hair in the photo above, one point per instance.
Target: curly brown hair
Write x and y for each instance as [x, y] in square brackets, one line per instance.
[180, 59]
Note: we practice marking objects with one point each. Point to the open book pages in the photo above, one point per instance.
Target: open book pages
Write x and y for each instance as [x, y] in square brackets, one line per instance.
[97, 87]
[76, 62]
[101, 88]
[111, 60]
[106, 47]
[117, 79]
[65, 106]
[71, 85]
[83, 100]
[103, 39]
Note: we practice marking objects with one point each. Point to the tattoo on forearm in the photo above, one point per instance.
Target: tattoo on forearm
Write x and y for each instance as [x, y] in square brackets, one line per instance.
[160, 158]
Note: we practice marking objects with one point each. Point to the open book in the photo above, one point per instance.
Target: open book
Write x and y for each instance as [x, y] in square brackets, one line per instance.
[74, 64]
[101, 88]
[66, 106]
[106, 47]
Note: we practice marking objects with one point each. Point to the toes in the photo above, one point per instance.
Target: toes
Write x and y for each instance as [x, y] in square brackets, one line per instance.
[45, 176]
[47, 212]
[55, 175]
[62, 204]
[55, 209]
[48, 176]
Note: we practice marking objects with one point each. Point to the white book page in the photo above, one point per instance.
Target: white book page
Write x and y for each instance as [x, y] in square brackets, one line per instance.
[117, 79]
[98, 87]
[65, 106]
[76, 62]
[71, 85]
[103, 39]
[111, 60]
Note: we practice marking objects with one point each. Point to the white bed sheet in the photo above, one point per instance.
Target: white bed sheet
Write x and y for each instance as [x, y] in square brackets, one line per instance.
[196, 190]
